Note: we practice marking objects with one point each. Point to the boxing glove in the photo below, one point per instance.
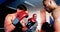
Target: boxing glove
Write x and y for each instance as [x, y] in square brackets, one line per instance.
[19, 17]
[22, 15]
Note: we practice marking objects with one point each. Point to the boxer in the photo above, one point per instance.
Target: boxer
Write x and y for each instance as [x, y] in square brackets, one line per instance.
[16, 19]
[53, 8]
[46, 18]
[32, 23]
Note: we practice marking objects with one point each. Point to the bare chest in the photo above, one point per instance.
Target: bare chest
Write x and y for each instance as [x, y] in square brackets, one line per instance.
[56, 13]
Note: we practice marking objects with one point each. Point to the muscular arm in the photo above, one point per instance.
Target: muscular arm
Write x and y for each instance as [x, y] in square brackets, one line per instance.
[43, 16]
[56, 16]
[8, 24]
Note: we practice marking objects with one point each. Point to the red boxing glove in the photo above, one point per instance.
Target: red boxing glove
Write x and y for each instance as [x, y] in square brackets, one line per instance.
[21, 15]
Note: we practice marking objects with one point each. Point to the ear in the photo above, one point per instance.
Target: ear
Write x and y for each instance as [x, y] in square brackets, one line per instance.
[51, 2]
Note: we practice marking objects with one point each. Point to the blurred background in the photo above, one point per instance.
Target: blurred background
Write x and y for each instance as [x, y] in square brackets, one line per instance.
[9, 6]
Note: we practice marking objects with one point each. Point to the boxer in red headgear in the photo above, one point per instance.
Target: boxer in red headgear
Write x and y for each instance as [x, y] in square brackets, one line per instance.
[16, 19]
[32, 20]
[32, 23]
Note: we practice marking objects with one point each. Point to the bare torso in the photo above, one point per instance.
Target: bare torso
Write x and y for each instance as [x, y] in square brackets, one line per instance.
[8, 22]
[56, 16]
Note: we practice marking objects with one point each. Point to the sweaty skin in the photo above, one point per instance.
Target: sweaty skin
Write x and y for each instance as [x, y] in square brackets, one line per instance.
[51, 6]
[8, 22]
[56, 16]
[43, 16]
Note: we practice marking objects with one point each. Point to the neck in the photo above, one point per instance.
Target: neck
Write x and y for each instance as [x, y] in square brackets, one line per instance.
[55, 6]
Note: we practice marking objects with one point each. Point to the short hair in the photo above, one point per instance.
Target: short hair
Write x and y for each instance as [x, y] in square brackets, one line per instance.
[22, 7]
[44, 0]
[34, 14]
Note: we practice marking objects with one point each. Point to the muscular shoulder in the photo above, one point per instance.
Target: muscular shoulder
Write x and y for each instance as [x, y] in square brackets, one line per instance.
[57, 9]
[42, 10]
[56, 13]
[8, 19]
[9, 16]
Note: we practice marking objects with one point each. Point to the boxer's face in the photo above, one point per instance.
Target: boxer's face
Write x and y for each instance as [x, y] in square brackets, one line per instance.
[18, 10]
[35, 16]
[26, 11]
[47, 5]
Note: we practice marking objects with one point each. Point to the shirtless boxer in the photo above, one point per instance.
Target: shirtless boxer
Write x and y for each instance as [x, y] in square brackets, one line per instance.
[46, 18]
[12, 20]
[53, 8]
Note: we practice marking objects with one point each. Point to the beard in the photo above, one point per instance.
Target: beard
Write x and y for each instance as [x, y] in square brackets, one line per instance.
[48, 10]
